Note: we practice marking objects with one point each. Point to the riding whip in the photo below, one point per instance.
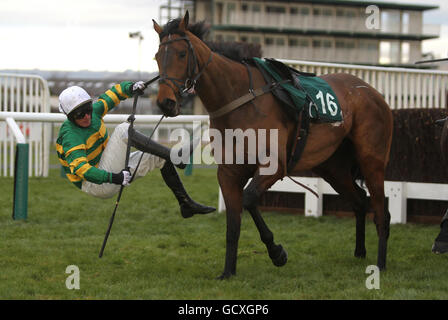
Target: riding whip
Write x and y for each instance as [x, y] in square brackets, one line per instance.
[128, 150]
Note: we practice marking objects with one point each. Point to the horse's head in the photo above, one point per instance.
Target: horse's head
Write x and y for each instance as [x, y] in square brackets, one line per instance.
[178, 65]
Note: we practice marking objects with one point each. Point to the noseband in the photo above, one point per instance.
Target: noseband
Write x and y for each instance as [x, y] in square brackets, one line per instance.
[184, 87]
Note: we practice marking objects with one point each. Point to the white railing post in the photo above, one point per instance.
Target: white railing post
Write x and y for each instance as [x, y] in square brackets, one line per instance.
[20, 138]
[396, 194]
[313, 204]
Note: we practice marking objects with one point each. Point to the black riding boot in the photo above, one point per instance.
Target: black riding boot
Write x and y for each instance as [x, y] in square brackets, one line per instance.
[188, 207]
[441, 242]
[143, 143]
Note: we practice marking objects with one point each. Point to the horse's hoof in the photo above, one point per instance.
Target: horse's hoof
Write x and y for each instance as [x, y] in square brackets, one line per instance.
[360, 254]
[224, 276]
[440, 247]
[381, 267]
[280, 257]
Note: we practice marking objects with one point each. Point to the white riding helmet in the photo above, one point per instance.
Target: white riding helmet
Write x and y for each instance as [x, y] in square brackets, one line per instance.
[71, 98]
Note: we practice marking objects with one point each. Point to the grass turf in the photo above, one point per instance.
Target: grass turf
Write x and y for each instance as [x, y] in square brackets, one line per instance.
[153, 253]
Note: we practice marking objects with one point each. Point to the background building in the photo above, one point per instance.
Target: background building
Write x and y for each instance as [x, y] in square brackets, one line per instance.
[322, 30]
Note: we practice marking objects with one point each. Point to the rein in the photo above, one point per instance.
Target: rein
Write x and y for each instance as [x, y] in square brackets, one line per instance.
[131, 119]
[304, 186]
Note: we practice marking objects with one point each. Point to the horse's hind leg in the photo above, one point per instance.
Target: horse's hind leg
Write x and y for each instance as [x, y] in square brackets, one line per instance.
[360, 209]
[372, 138]
[373, 167]
[338, 171]
[374, 174]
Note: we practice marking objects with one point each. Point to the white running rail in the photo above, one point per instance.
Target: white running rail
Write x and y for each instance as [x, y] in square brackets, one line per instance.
[26, 100]
[402, 88]
[397, 193]
[32, 118]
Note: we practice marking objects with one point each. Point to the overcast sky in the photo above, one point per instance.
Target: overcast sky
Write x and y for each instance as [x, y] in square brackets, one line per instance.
[94, 34]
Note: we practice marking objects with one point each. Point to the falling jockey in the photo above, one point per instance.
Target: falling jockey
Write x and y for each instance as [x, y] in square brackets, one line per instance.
[94, 162]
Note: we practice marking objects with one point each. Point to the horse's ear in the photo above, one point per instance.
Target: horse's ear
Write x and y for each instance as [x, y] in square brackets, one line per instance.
[183, 25]
[157, 27]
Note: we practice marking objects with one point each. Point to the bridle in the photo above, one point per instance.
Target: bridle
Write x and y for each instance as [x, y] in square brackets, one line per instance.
[194, 71]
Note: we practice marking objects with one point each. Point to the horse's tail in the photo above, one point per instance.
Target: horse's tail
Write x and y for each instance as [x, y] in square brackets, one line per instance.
[355, 169]
[357, 174]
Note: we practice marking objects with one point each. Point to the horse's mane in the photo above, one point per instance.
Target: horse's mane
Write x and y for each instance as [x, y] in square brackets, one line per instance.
[237, 51]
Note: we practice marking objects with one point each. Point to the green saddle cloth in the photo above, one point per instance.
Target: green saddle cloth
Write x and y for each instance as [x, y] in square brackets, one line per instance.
[310, 91]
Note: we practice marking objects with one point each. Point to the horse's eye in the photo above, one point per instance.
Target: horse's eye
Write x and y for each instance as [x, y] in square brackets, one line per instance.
[182, 54]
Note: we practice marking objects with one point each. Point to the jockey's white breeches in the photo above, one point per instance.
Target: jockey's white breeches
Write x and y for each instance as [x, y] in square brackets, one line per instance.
[113, 160]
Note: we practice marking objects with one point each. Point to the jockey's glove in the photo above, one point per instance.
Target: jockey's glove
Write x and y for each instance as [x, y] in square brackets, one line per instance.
[122, 178]
[138, 87]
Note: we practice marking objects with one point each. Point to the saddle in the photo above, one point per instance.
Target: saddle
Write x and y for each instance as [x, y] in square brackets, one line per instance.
[275, 71]
[299, 100]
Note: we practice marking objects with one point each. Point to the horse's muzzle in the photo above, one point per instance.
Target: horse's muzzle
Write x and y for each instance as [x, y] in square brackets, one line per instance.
[169, 107]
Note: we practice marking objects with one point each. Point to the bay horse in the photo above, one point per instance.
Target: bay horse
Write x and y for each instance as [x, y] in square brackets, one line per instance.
[361, 143]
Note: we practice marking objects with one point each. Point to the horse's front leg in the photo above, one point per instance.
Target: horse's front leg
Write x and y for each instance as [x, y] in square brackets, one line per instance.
[232, 191]
[232, 237]
[251, 196]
